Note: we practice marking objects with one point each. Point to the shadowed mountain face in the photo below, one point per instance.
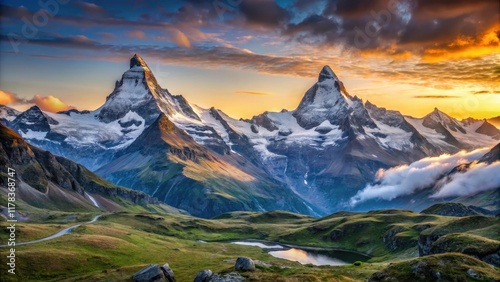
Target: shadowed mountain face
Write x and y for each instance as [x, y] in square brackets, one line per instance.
[47, 181]
[202, 160]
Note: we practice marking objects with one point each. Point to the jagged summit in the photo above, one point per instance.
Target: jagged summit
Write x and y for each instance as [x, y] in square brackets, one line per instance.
[440, 116]
[137, 60]
[138, 92]
[327, 73]
[438, 120]
[325, 100]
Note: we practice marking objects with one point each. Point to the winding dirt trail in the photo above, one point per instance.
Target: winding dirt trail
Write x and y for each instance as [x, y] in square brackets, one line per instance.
[57, 235]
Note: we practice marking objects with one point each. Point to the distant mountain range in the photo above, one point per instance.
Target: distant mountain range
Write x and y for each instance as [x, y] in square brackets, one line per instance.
[310, 160]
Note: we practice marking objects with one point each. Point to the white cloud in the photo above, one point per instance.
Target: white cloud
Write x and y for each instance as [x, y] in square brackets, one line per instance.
[479, 178]
[407, 179]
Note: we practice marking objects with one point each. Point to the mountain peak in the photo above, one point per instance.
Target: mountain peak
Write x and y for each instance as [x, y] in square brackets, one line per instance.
[137, 60]
[327, 73]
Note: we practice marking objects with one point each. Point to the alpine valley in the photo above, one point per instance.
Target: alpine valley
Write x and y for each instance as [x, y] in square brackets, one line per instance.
[311, 160]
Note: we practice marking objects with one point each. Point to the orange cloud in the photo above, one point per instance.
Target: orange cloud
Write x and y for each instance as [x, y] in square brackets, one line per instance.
[179, 38]
[466, 47]
[50, 103]
[7, 98]
[252, 93]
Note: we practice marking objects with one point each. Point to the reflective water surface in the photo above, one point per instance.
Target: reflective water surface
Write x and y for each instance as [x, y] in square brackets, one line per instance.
[315, 257]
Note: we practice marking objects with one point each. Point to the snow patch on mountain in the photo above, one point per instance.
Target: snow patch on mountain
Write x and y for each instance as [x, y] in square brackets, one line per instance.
[391, 137]
[33, 135]
[86, 129]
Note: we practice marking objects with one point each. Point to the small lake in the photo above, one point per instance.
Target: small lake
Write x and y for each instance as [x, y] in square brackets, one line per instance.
[307, 256]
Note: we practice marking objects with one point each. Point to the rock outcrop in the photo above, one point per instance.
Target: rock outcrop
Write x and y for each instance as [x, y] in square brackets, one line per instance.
[155, 273]
[204, 276]
[244, 264]
[449, 209]
[208, 276]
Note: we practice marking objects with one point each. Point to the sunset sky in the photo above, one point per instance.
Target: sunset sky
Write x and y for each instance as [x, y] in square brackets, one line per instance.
[248, 56]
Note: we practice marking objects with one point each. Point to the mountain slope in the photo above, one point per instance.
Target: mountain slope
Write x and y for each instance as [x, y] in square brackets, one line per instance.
[331, 145]
[167, 163]
[50, 182]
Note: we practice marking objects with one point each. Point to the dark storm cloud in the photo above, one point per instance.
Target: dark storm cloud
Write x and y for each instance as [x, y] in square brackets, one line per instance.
[354, 9]
[265, 13]
[398, 25]
[430, 9]
[401, 25]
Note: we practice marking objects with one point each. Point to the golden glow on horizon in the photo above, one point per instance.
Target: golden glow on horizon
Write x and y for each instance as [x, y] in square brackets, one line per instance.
[466, 47]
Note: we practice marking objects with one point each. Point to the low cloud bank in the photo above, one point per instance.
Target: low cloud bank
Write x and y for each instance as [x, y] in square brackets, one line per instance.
[407, 179]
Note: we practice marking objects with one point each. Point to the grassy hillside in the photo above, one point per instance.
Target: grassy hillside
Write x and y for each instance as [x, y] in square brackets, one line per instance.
[119, 244]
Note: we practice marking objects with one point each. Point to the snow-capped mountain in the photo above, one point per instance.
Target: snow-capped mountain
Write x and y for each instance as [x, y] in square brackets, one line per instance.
[322, 153]
[450, 135]
[168, 163]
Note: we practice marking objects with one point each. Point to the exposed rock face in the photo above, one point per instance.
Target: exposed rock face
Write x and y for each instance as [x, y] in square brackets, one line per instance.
[151, 273]
[244, 264]
[264, 121]
[154, 273]
[32, 120]
[488, 129]
[204, 276]
[230, 277]
[323, 101]
[492, 156]
[169, 273]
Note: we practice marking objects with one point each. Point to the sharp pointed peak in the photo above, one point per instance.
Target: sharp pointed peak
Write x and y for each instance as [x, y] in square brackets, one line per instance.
[327, 73]
[34, 108]
[137, 60]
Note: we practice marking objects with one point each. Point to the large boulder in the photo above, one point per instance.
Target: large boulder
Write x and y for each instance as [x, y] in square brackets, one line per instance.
[204, 276]
[244, 264]
[154, 273]
[169, 273]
